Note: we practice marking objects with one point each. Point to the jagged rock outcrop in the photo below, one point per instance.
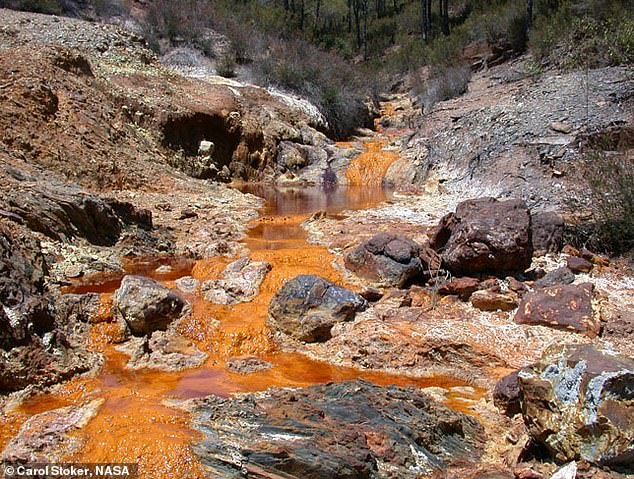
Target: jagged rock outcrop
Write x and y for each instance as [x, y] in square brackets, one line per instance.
[34, 347]
[308, 306]
[577, 402]
[350, 430]
[65, 211]
[485, 235]
[386, 259]
[146, 305]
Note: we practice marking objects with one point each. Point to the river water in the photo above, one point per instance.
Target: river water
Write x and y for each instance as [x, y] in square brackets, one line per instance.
[136, 422]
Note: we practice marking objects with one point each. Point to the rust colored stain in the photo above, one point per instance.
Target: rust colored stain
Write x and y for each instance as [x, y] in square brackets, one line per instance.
[370, 167]
[135, 423]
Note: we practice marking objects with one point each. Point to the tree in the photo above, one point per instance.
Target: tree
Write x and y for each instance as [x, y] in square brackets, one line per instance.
[425, 7]
[444, 16]
[529, 14]
[365, 28]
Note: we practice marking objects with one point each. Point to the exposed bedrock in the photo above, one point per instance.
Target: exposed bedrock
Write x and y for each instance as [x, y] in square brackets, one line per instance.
[350, 430]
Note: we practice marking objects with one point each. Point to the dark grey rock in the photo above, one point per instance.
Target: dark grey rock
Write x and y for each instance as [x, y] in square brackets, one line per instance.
[350, 430]
[146, 305]
[308, 306]
[386, 259]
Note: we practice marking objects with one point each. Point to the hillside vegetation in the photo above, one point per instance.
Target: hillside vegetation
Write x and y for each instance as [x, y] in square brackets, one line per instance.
[339, 53]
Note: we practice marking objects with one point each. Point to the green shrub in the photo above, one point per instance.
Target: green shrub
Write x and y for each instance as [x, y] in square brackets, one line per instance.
[445, 83]
[609, 177]
[226, 66]
[582, 34]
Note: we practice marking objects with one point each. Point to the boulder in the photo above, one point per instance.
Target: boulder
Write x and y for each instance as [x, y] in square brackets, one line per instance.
[50, 436]
[240, 282]
[164, 350]
[556, 277]
[348, 430]
[563, 307]
[487, 300]
[461, 287]
[486, 235]
[579, 265]
[578, 402]
[547, 232]
[146, 305]
[308, 306]
[386, 259]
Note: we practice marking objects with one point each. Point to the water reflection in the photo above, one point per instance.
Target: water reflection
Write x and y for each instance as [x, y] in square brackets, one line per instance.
[305, 200]
[287, 207]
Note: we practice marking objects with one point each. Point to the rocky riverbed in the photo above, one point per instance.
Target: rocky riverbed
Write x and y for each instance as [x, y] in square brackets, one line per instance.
[317, 325]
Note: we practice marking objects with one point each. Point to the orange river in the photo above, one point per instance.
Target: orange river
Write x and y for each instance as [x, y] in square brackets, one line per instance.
[135, 424]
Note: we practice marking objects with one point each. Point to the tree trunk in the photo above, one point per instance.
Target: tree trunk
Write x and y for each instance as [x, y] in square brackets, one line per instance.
[444, 16]
[302, 14]
[425, 13]
[349, 16]
[529, 14]
[365, 29]
[357, 21]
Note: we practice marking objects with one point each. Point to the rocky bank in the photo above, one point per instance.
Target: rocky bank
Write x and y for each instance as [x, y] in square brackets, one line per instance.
[116, 228]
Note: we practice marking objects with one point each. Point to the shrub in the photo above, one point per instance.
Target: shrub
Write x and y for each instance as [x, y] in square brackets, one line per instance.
[609, 177]
[226, 66]
[589, 33]
[445, 83]
[38, 6]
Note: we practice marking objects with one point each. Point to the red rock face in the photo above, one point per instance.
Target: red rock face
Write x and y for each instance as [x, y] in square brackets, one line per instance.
[563, 307]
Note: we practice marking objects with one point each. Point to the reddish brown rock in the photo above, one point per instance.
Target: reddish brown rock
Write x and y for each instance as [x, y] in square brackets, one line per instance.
[564, 307]
[579, 265]
[506, 394]
[547, 232]
[516, 286]
[485, 235]
[461, 287]
[491, 301]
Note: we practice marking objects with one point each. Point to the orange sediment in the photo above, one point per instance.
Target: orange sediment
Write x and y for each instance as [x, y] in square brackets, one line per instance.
[371, 166]
[135, 424]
